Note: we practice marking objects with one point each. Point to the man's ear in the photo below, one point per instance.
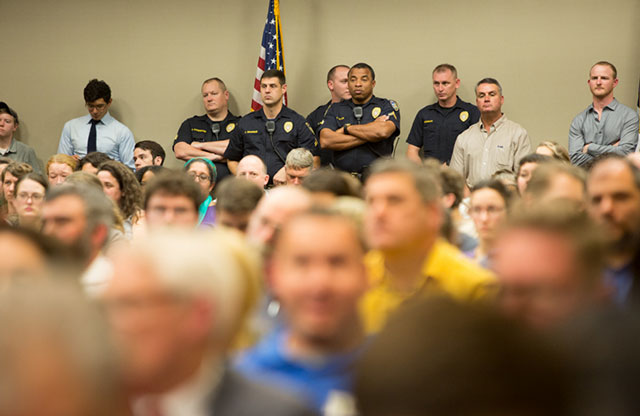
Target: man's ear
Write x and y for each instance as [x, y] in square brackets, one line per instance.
[157, 161]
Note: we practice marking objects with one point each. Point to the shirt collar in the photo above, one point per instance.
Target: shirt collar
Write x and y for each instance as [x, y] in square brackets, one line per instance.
[191, 397]
[106, 119]
[13, 148]
[611, 106]
[499, 122]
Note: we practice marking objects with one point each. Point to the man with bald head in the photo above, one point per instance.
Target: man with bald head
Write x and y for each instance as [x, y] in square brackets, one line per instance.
[208, 135]
[253, 168]
[613, 200]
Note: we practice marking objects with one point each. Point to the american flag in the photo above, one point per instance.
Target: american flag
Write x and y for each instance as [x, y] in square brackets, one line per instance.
[271, 53]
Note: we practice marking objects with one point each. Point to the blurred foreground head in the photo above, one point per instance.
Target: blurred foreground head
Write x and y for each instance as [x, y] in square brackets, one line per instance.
[175, 303]
[441, 358]
[549, 261]
[55, 356]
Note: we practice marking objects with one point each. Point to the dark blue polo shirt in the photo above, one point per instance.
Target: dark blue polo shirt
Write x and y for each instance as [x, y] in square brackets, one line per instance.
[436, 128]
[251, 138]
[200, 129]
[315, 120]
[358, 158]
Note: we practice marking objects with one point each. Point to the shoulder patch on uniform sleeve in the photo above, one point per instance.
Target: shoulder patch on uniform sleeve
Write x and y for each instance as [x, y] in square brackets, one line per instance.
[394, 105]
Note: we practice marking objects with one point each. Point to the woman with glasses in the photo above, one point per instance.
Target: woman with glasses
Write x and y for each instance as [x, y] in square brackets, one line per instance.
[121, 186]
[488, 207]
[29, 198]
[203, 171]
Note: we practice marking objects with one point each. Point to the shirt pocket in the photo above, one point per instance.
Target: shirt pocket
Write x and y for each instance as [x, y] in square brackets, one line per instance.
[503, 158]
[429, 138]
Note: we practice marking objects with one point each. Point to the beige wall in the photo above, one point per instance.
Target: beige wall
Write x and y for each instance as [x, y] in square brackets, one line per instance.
[155, 54]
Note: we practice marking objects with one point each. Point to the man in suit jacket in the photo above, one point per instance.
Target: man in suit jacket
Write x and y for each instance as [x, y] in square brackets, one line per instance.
[174, 311]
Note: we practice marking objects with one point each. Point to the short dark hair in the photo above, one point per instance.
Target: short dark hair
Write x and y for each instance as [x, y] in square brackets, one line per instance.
[5, 109]
[154, 147]
[329, 180]
[95, 90]
[220, 82]
[478, 362]
[332, 71]
[153, 168]
[274, 73]
[362, 65]
[238, 195]
[174, 183]
[489, 81]
[95, 159]
[446, 67]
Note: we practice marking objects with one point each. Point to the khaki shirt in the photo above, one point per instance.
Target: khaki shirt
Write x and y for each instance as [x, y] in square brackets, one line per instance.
[478, 153]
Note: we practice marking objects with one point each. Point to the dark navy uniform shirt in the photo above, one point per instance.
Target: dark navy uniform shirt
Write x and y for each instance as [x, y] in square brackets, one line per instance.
[251, 138]
[315, 120]
[436, 128]
[360, 157]
[200, 129]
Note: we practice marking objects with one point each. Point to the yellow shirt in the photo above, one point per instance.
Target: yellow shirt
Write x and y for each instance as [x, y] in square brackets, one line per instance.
[445, 270]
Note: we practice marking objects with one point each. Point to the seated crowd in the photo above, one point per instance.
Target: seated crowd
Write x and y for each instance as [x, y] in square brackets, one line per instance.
[291, 266]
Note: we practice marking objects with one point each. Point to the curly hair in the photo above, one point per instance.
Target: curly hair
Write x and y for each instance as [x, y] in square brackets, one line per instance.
[131, 200]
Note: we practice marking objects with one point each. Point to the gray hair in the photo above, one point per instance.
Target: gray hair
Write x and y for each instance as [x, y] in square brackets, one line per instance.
[489, 81]
[182, 269]
[98, 208]
[426, 182]
[299, 158]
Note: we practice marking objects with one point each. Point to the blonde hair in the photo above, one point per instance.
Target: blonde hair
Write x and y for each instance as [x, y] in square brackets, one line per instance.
[559, 152]
[61, 158]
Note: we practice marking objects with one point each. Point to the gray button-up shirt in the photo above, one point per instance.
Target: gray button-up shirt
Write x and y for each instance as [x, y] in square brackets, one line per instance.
[618, 123]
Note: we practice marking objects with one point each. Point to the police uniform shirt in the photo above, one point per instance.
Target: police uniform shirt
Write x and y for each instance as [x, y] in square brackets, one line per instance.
[358, 158]
[436, 128]
[251, 138]
[200, 129]
[315, 120]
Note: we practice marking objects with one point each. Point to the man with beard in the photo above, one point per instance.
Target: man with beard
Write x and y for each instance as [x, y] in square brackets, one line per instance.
[80, 217]
[606, 126]
[613, 200]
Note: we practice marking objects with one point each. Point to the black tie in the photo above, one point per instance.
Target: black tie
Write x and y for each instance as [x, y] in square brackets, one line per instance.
[91, 143]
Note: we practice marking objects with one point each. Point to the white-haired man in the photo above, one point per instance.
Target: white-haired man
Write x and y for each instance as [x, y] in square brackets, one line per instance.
[174, 313]
[298, 166]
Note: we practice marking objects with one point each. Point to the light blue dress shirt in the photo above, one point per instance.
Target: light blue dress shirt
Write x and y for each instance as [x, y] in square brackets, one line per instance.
[113, 138]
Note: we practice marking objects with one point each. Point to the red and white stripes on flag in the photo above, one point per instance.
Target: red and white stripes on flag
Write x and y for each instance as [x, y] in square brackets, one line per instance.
[271, 53]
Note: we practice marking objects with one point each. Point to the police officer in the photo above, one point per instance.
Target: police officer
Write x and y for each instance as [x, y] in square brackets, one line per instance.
[271, 132]
[437, 126]
[338, 84]
[208, 135]
[363, 128]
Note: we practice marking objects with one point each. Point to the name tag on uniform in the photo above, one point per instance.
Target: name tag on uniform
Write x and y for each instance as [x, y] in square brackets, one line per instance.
[199, 130]
[251, 132]
[428, 121]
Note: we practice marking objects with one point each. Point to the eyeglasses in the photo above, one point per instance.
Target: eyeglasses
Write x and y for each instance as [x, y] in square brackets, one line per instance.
[202, 176]
[34, 197]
